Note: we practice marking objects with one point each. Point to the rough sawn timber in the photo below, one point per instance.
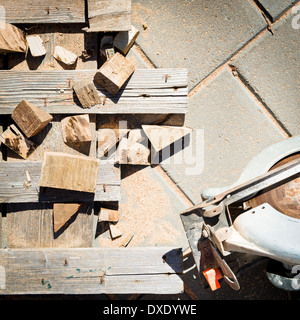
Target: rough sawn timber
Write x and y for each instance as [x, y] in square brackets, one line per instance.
[97, 270]
[15, 187]
[162, 91]
[37, 11]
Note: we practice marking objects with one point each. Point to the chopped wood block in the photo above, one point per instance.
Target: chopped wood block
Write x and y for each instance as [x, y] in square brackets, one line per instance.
[12, 39]
[65, 171]
[35, 45]
[87, 93]
[114, 231]
[30, 118]
[137, 135]
[76, 129]
[130, 152]
[124, 40]
[62, 213]
[64, 55]
[163, 136]
[109, 15]
[15, 141]
[114, 73]
[107, 138]
[111, 215]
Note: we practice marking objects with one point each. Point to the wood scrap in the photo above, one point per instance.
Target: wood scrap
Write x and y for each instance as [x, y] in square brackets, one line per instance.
[107, 139]
[87, 93]
[62, 213]
[114, 231]
[106, 15]
[107, 214]
[30, 118]
[130, 152]
[65, 56]
[163, 136]
[14, 139]
[76, 129]
[35, 45]
[114, 73]
[12, 39]
[124, 40]
[65, 171]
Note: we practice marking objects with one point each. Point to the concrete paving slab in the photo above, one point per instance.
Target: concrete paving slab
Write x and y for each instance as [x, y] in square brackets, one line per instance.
[276, 8]
[235, 129]
[198, 35]
[271, 68]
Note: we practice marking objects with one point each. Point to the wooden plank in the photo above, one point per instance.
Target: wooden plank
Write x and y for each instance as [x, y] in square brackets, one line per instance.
[14, 189]
[92, 270]
[36, 11]
[109, 15]
[30, 225]
[147, 91]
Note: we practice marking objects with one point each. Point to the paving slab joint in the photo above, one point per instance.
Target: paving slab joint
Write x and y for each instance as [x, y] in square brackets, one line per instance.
[259, 100]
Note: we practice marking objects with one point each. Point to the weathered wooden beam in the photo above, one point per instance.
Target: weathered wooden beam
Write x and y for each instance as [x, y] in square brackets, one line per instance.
[92, 270]
[36, 11]
[19, 182]
[109, 15]
[147, 91]
[35, 45]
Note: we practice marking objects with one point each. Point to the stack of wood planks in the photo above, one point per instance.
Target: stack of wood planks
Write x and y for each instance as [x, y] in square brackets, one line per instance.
[59, 72]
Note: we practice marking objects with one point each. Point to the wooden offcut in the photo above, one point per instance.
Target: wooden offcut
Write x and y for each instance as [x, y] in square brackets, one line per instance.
[109, 15]
[30, 118]
[37, 11]
[131, 152]
[114, 231]
[62, 213]
[64, 171]
[65, 56]
[146, 92]
[76, 129]
[114, 73]
[87, 93]
[35, 45]
[163, 136]
[12, 39]
[107, 139]
[107, 214]
[124, 40]
[14, 140]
